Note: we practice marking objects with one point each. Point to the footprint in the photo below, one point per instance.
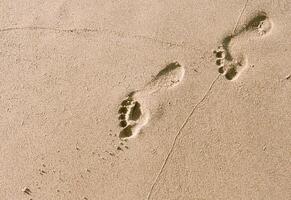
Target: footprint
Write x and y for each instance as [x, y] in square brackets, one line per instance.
[132, 116]
[231, 65]
[133, 112]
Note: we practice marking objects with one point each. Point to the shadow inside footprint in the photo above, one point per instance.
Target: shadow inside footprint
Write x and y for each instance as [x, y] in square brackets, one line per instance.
[126, 102]
[225, 45]
[122, 110]
[168, 68]
[135, 112]
[231, 73]
[126, 132]
[256, 21]
[122, 123]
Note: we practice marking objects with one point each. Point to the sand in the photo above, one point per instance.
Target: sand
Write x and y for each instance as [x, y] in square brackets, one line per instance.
[163, 100]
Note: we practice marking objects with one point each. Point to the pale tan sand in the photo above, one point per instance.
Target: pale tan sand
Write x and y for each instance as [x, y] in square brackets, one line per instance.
[66, 66]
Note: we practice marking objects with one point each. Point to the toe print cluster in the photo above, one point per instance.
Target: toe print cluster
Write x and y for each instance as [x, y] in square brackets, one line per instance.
[130, 117]
[232, 66]
[220, 58]
[124, 112]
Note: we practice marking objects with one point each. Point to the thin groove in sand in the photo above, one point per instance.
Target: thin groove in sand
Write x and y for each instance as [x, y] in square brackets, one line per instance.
[119, 34]
[239, 17]
[178, 134]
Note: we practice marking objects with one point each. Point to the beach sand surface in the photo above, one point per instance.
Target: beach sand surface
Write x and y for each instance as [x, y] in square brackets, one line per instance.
[160, 100]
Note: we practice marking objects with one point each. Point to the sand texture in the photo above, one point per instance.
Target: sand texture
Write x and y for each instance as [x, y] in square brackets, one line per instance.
[145, 100]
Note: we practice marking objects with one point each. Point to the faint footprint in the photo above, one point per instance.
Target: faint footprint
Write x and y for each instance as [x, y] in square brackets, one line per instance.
[133, 112]
[232, 66]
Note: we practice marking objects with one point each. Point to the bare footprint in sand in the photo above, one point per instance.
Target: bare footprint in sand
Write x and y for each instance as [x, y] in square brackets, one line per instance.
[231, 64]
[133, 112]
